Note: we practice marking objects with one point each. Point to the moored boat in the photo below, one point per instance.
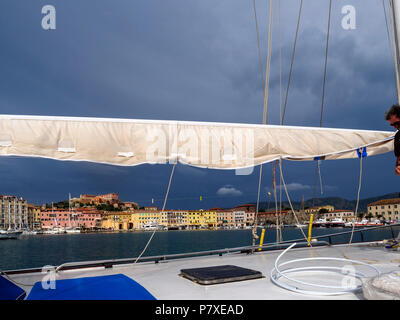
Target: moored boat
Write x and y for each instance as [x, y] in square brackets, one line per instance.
[374, 223]
[9, 234]
[73, 230]
[151, 226]
[336, 223]
[320, 223]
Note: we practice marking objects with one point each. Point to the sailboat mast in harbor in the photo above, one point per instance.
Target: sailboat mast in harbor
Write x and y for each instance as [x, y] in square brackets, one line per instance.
[395, 10]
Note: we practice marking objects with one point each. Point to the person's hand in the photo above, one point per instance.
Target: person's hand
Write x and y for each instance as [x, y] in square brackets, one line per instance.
[397, 170]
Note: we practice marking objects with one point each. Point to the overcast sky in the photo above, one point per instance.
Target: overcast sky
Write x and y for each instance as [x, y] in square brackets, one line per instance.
[193, 60]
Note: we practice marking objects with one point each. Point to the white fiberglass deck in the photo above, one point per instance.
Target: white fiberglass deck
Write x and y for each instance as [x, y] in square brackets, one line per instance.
[162, 279]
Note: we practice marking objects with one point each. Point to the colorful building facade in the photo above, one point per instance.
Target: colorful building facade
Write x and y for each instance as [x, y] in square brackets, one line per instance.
[76, 218]
[13, 213]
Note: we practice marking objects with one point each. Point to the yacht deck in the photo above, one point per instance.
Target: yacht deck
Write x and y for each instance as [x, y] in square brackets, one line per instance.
[164, 282]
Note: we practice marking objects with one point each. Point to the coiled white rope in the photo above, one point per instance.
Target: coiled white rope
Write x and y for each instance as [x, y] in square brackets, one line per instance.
[348, 282]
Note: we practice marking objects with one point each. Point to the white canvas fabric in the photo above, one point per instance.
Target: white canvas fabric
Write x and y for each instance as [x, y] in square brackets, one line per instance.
[129, 142]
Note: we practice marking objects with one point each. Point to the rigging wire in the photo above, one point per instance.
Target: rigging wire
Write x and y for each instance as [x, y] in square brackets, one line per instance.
[258, 44]
[291, 62]
[290, 202]
[278, 229]
[254, 231]
[358, 200]
[318, 162]
[282, 115]
[326, 62]
[389, 40]
[395, 50]
[266, 92]
[280, 98]
[268, 67]
[163, 208]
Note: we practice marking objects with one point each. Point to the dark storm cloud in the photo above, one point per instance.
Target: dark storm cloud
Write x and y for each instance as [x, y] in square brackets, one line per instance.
[190, 60]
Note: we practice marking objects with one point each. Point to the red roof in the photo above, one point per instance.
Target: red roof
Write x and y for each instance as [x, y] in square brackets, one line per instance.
[384, 202]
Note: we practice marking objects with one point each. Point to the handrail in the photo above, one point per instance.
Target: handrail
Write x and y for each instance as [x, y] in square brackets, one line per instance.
[246, 249]
[112, 262]
[156, 259]
[355, 230]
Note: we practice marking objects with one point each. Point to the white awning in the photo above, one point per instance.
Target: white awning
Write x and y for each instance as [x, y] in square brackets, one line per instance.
[130, 142]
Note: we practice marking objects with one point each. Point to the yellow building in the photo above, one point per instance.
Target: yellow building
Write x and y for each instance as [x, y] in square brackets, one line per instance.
[144, 217]
[139, 219]
[119, 221]
[202, 219]
[194, 219]
[314, 210]
[133, 220]
[33, 218]
[210, 219]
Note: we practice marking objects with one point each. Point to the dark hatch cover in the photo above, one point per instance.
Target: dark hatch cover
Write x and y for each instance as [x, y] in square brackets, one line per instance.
[219, 274]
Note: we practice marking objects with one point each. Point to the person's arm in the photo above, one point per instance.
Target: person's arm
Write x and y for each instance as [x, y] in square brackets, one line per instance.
[397, 168]
[397, 152]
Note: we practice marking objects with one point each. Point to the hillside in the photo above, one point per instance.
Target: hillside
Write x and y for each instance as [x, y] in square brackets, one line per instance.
[337, 202]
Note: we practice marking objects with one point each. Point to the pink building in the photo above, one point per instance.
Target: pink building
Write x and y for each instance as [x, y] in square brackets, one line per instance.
[62, 218]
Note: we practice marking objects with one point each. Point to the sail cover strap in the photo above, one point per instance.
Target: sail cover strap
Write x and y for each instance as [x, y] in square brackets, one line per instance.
[362, 152]
[129, 142]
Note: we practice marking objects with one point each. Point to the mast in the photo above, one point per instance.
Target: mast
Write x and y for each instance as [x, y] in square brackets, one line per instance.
[52, 212]
[15, 215]
[395, 6]
[9, 214]
[69, 209]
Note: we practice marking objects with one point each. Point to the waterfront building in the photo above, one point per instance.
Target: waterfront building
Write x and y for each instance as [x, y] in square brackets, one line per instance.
[151, 208]
[76, 218]
[177, 219]
[247, 207]
[249, 218]
[239, 217]
[119, 221]
[13, 212]
[133, 219]
[345, 215]
[244, 214]
[209, 219]
[200, 219]
[269, 217]
[36, 220]
[130, 205]
[314, 210]
[225, 217]
[33, 217]
[195, 219]
[387, 209]
[111, 198]
[144, 217]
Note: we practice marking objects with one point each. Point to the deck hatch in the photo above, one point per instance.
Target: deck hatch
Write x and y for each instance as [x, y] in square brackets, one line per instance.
[220, 274]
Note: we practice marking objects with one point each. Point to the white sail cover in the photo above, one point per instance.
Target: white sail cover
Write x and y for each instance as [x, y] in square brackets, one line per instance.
[130, 142]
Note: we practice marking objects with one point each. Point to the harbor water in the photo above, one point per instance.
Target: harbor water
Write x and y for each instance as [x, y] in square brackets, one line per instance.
[31, 251]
